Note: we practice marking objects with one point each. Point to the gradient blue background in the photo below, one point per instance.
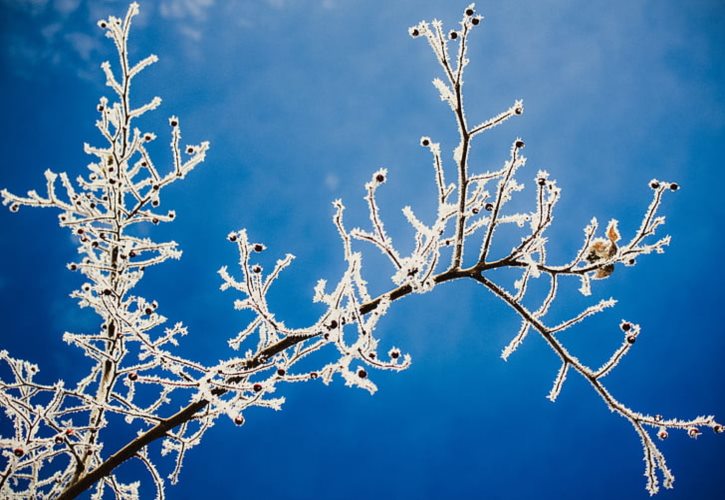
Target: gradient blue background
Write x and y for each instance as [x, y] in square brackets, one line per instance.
[302, 101]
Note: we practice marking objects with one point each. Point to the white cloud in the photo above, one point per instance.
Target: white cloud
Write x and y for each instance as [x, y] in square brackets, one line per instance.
[332, 181]
[185, 8]
[190, 32]
[66, 6]
[82, 44]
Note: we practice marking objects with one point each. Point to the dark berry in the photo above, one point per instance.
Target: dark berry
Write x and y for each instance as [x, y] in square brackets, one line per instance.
[395, 354]
[133, 376]
[333, 324]
[132, 253]
[313, 375]
[474, 210]
[674, 186]
[257, 387]
[72, 267]
[147, 137]
[626, 326]
[155, 203]
[100, 108]
[239, 420]
[174, 123]
[362, 373]
[232, 237]
[631, 339]
[371, 355]
[519, 143]
[380, 178]
[718, 429]
[103, 24]
[518, 111]
[654, 184]
[155, 187]
[415, 32]
[155, 220]
[59, 439]
[256, 269]
[80, 230]
[475, 21]
[189, 150]
[541, 181]
[258, 247]
[107, 292]
[469, 12]
[488, 206]
[453, 35]
[18, 452]
[281, 372]
[148, 310]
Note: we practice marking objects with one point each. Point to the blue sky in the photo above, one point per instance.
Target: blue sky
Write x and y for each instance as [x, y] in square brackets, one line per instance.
[302, 101]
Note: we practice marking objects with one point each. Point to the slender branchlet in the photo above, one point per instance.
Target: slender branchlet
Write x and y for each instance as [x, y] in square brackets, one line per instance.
[123, 188]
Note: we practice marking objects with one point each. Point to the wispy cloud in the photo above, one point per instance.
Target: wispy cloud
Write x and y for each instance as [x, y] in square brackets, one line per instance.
[184, 9]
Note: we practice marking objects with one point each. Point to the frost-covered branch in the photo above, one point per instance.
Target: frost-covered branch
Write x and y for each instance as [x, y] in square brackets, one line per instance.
[121, 189]
[132, 355]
